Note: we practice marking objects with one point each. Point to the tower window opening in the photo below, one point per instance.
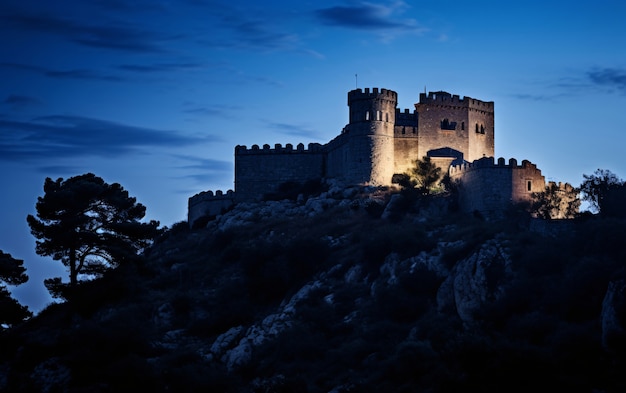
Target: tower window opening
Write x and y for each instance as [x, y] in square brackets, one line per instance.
[477, 131]
[529, 184]
[367, 115]
[403, 130]
[462, 125]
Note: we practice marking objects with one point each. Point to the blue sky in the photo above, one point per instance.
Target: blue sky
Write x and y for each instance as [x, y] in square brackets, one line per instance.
[154, 94]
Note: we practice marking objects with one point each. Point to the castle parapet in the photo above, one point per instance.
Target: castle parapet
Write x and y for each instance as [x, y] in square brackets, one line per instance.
[488, 162]
[406, 117]
[278, 149]
[445, 98]
[358, 94]
[208, 203]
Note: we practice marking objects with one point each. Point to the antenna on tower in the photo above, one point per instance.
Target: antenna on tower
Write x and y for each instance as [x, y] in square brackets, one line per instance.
[356, 81]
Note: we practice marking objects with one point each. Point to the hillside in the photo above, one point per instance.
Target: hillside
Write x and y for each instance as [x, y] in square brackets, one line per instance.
[357, 290]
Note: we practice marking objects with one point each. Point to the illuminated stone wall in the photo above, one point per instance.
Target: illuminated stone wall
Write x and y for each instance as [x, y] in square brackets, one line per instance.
[489, 188]
[259, 171]
[381, 140]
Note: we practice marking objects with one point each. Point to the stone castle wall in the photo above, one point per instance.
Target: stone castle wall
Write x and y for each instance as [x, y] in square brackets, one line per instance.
[259, 171]
[209, 204]
[370, 133]
[489, 188]
[463, 124]
[381, 140]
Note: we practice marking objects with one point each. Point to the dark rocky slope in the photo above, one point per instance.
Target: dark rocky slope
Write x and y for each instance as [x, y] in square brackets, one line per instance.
[349, 291]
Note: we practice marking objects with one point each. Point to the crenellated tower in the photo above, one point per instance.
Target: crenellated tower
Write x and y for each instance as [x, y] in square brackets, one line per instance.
[370, 136]
[460, 128]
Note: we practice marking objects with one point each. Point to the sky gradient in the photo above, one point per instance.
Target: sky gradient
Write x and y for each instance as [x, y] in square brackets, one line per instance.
[155, 95]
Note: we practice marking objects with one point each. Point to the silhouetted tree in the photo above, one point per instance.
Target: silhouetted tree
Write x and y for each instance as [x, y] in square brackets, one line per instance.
[12, 272]
[425, 174]
[89, 225]
[596, 186]
[555, 202]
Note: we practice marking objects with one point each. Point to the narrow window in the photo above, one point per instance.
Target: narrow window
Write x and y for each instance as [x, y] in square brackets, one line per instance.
[529, 184]
[477, 128]
[463, 125]
[403, 130]
[367, 115]
[387, 117]
[482, 129]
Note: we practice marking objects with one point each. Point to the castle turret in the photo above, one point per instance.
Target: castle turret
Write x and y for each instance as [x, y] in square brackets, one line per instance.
[370, 154]
[463, 127]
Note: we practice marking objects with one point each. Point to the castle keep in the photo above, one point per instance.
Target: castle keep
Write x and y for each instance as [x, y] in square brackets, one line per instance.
[381, 140]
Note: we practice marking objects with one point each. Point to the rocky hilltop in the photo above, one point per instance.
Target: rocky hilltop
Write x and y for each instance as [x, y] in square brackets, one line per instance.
[343, 290]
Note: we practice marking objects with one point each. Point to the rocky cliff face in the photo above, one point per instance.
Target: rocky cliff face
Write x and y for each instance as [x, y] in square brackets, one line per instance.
[358, 289]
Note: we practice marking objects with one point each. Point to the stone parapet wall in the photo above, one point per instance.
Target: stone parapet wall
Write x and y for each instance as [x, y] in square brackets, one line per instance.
[208, 203]
[261, 171]
[490, 188]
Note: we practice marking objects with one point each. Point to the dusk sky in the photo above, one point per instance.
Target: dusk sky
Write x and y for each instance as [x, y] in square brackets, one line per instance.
[155, 95]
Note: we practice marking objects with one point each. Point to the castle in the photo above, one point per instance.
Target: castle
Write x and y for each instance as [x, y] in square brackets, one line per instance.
[381, 140]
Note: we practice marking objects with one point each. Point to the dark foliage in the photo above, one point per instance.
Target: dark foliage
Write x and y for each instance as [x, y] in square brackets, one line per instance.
[89, 225]
[372, 323]
[12, 272]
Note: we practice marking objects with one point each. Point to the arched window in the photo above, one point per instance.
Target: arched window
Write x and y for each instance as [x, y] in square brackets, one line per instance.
[477, 131]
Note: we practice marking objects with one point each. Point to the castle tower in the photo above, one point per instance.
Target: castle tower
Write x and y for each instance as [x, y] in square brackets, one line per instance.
[455, 128]
[370, 154]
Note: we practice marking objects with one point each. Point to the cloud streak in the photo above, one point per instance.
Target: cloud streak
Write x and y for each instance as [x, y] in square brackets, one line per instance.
[368, 16]
[81, 74]
[113, 36]
[51, 137]
[613, 78]
[295, 130]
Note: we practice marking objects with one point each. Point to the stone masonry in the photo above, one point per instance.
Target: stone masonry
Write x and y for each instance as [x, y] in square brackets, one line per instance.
[381, 140]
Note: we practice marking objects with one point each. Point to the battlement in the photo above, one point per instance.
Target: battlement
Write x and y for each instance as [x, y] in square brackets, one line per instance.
[488, 162]
[279, 149]
[206, 196]
[445, 98]
[358, 94]
[406, 116]
[207, 203]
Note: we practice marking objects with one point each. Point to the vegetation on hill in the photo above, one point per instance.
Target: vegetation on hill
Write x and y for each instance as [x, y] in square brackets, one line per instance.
[350, 290]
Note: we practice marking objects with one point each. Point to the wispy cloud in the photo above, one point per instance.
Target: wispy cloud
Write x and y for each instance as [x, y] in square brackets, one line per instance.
[82, 74]
[116, 36]
[161, 67]
[295, 130]
[50, 137]
[381, 18]
[611, 78]
[208, 170]
[224, 111]
[17, 101]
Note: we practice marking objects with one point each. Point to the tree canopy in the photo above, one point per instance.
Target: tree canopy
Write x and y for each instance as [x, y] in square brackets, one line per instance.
[425, 174]
[596, 186]
[89, 225]
[12, 272]
[556, 202]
